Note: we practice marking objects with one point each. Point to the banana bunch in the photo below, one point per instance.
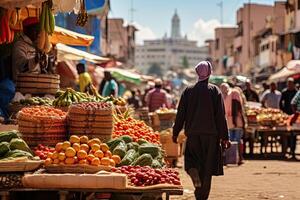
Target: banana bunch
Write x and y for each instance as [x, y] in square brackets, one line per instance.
[7, 18]
[47, 25]
[82, 17]
[70, 96]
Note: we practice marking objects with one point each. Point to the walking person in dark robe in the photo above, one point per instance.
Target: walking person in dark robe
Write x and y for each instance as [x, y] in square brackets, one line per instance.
[201, 113]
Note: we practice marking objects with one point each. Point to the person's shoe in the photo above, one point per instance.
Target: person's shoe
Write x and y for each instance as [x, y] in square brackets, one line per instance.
[194, 174]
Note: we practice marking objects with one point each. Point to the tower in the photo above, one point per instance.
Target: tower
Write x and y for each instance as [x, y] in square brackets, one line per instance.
[175, 29]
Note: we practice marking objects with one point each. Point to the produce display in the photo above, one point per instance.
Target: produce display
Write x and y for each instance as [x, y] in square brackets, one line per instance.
[165, 111]
[13, 147]
[91, 118]
[8, 18]
[42, 151]
[140, 153]
[35, 101]
[68, 97]
[147, 176]
[42, 124]
[267, 116]
[136, 129]
[82, 151]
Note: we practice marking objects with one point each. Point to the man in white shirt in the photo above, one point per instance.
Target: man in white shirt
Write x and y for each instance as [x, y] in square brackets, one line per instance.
[271, 98]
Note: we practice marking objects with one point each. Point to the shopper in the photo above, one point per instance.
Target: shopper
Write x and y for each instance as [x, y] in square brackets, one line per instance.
[201, 113]
[250, 94]
[110, 86]
[271, 97]
[134, 100]
[84, 80]
[236, 121]
[157, 97]
[287, 96]
[295, 103]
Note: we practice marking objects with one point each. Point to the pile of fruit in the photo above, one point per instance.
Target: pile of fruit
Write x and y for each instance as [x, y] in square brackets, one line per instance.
[42, 151]
[140, 153]
[93, 106]
[66, 98]
[136, 129]
[165, 111]
[147, 176]
[35, 101]
[82, 150]
[41, 113]
[8, 19]
[12, 146]
[267, 116]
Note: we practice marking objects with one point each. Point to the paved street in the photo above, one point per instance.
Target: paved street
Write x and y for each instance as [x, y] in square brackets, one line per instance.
[255, 180]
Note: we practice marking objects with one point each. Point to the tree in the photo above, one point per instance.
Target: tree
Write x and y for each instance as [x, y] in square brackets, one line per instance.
[185, 62]
[155, 69]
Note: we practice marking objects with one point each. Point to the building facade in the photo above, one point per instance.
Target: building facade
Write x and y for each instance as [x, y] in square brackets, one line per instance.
[118, 40]
[169, 52]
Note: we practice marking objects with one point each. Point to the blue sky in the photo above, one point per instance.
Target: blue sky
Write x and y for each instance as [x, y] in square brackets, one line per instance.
[198, 17]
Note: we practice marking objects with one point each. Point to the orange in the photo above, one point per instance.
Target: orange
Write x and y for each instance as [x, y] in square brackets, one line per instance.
[116, 158]
[48, 161]
[90, 157]
[105, 161]
[94, 141]
[99, 154]
[70, 152]
[54, 155]
[49, 155]
[95, 162]
[112, 163]
[66, 145]
[84, 161]
[74, 139]
[104, 147]
[95, 147]
[58, 146]
[84, 139]
[108, 154]
[97, 140]
[55, 161]
[76, 146]
[84, 147]
[70, 161]
[81, 154]
[61, 156]
[61, 163]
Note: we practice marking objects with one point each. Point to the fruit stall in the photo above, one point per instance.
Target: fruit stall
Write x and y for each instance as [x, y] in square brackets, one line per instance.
[269, 130]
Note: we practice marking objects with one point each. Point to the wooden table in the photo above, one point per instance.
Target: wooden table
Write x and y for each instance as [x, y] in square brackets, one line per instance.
[64, 192]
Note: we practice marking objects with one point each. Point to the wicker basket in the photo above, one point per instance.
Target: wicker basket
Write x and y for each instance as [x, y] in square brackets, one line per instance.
[89, 169]
[11, 180]
[166, 116]
[19, 166]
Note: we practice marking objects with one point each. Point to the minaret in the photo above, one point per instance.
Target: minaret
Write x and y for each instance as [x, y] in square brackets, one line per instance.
[175, 29]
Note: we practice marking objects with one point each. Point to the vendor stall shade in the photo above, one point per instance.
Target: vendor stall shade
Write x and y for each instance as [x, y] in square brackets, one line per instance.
[292, 68]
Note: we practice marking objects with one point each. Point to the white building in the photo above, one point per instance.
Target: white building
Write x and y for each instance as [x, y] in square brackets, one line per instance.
[169, 52]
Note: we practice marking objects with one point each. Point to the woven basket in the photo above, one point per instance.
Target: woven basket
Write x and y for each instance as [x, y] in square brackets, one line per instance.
[90, 124]
[11, 180]
[73, 110]
[34, 139]
[92, 118]
[89, 169]
[19, 166]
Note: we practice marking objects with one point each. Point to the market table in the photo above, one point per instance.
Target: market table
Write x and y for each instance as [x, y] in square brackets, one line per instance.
[64, 192]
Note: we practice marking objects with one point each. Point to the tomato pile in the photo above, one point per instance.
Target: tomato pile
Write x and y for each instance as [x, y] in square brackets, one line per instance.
[42, 151]
[136, 129]
[41, 112]
[146, 176]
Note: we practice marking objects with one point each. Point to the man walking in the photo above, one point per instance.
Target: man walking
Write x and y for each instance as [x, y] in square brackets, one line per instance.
[249, 93]
[287, 96]
[271, 97]
[201, 113]
[157, 97]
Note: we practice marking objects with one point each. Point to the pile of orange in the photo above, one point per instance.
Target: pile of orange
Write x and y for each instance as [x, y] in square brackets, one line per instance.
[82, 150]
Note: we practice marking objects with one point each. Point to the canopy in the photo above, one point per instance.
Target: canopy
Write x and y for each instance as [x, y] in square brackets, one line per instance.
[64, 36]
[292, 68]
[217, 79]
[69, 53]
[125, 75]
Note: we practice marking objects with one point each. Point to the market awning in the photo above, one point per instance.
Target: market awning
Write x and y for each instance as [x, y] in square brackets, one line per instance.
[64, 36]
[218, 79]
[69, 53]
[292, 68]
[125, 75]
[19, 3]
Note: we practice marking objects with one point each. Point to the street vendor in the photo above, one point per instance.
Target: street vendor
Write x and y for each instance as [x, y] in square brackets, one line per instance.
[25, 56]
[84, 80]
[202, 114]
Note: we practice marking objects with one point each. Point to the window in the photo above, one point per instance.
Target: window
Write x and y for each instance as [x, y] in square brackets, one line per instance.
[217, 44]
[240, 31]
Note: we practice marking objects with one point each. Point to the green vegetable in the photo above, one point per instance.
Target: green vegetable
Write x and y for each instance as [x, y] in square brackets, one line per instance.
[120, 150]
[156, 164]
[135, 146]
[141, 141]
[4, 148]
[129, 157]
[17, 153]
[18, 143]
[151, 149]
[126, 138]
[143, 160]
[113, 143]
[8, 135]
[129, 146]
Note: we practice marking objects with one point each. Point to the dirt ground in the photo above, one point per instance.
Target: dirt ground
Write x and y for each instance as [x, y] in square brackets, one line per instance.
[255, 180]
